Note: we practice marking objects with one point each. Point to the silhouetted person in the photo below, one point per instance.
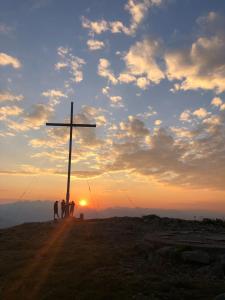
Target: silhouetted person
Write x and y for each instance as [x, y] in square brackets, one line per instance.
[72, 207]
[56, 210]
[67, 210]
[63, 208]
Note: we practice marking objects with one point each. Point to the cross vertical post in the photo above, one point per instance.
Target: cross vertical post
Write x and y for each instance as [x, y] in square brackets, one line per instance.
[70, 125]
[69, 161]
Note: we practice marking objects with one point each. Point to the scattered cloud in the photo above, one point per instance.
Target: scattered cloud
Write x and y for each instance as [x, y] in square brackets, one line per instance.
[216, 101]
[6, 111]
[126, 78]
[97, 27]
[73, 63]
[222, 107]
[202, 65]
[147, 114]
[8, 96]
[5, 29]
[180, 156]
[158, 122]
[105, 71]
[86, 137]
[185, 116]
[137, 10]
[54, 96]
[133, 128]
[105, 90]
[6, 59]
[143, 82]
[37, 117]
[116, 101]
[95, 44]
[200, 113]
[141, 64]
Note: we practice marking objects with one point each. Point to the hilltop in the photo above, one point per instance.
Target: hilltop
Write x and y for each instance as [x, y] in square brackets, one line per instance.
[18, 212]
[115, 258]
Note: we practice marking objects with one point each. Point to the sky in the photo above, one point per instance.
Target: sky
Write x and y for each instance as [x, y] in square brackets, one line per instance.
[149, 73]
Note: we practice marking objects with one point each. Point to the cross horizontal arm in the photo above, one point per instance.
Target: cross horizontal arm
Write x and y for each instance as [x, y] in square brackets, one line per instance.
[68, 125]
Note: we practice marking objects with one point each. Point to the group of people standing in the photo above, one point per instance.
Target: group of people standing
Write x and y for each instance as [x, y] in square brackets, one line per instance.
[66, 210]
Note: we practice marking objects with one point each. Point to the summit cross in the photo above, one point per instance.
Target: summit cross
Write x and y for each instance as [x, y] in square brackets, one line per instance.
[70, 125]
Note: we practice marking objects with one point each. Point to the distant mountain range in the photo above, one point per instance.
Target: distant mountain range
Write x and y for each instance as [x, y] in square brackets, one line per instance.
[39, 211]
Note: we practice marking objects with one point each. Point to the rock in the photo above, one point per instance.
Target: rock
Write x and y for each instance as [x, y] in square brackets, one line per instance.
[140, 296]
[167, 251]
[214, 271]
[222, 259]
[196, 256]
[142, 249]
[220, 297]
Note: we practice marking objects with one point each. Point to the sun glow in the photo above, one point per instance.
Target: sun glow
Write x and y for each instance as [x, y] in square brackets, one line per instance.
[83, 202]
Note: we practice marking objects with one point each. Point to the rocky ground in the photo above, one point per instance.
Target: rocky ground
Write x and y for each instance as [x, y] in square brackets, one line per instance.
[117, 258]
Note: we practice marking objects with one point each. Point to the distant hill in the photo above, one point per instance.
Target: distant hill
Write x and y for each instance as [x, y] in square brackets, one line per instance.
[38, 211]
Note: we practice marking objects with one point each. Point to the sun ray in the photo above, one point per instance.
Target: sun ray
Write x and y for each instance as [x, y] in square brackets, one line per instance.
[39, 268]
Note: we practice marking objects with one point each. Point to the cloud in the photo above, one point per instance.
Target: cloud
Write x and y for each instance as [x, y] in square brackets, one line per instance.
[37, 4]
[54, 94]
[202, 65]
[97, 27]
[211, 23]
[6, 111]
[105, 71]
[180, 156]
[143, 82]
[222, 107]
[8, 96]
[200, 113]
[137, 10]
[37, 117]
[158, 122]
[116, 101]
[126, 78]
[73, 63]
[133, 128]
[105, 90]
[95, 44]
[216, 101]
[5, 29]
[6, 134]
[150, 112]
[212, 121]
[141, 64]
[6, 59]
[185, 115]
[86, 137]
[86, 174]
[118, 27]
[182, 132]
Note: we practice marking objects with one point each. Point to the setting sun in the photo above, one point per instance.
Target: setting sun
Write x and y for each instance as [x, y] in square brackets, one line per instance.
[83, 202]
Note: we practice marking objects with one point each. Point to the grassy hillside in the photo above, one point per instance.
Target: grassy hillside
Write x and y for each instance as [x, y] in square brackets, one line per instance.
[101, 259]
